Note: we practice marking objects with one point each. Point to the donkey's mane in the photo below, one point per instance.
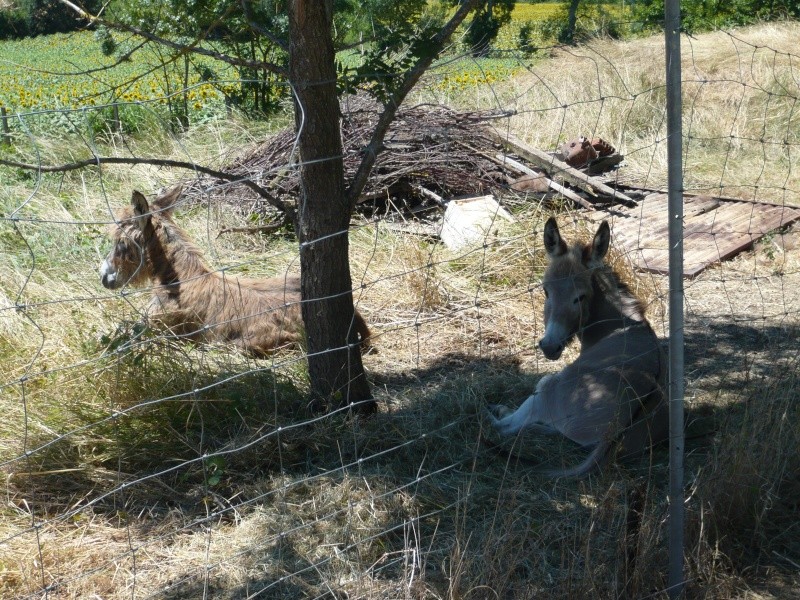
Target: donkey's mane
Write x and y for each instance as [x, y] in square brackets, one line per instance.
[618, 292]
[182, 250]
[609, 283]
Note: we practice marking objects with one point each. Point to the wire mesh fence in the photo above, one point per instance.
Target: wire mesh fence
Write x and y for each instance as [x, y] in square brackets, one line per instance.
[139, 463]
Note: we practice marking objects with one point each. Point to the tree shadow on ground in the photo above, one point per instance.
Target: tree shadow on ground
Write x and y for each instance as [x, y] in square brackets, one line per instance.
[730, 354]
[424, 445]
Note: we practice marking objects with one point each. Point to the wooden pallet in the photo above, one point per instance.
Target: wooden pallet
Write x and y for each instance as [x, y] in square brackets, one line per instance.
[715, 229]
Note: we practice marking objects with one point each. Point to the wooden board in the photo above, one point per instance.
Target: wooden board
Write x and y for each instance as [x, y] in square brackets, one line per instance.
[559, 169]
[715, 229]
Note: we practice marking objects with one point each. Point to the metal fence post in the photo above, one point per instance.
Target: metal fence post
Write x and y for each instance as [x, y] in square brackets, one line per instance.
[672, 31]
[6, 130]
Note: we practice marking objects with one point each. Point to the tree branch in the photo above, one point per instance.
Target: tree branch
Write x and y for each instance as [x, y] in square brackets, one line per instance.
[255, 26]
[410, 79]
[269, 228]
[277, 203]
[183, 48]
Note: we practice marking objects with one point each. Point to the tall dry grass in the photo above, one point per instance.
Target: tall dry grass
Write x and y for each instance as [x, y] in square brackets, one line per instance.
[138, 467]
[739, 94]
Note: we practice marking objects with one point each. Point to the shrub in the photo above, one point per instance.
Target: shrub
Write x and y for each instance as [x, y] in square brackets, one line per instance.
[698, 15]
[12, 24]
[525, 39]
[51, 16]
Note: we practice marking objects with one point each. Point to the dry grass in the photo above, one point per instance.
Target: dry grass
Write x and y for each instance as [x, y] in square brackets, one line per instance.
[139, 468]
[739, 97]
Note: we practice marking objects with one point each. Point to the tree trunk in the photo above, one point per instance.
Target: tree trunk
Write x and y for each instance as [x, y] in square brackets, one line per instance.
[334, 357]
[568, 34]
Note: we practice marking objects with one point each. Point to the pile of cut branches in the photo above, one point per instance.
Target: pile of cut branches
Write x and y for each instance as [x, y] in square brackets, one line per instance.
[429, 152]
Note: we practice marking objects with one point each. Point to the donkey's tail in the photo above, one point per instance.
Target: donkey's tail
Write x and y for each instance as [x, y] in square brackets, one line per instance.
[597, 459]
[363, 331]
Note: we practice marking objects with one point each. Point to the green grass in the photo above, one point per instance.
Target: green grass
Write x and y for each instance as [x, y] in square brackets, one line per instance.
[47, 78]
[65, 72]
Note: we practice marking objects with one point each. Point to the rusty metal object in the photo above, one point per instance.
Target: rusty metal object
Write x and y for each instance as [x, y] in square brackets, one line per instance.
[580, 151]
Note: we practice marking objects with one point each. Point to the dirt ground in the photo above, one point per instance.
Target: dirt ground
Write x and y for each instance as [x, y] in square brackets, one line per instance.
[743, 316]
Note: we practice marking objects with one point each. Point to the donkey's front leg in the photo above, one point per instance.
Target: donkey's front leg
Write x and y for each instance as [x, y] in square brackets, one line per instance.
[527, 416]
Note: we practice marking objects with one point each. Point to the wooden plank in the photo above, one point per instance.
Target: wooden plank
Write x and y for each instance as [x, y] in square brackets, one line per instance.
[648, 223]
[744, 231]
[632, 185]
[653, 263]
[738, 233]
[777, 217]
[700, 205]
[545, 161]
[761, 202]
[623, 220]
[567, 193]
[715, 229]
[702, 245]
[647, 206]
[719, 241]
[650, 220]
[431, 195]
[654, 227]
[699, 221]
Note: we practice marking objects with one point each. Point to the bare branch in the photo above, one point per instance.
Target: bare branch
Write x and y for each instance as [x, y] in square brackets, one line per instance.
[269, 228]
[119, 160]
[410, 79]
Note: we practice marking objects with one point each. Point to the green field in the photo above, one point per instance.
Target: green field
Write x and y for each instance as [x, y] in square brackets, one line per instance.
[540, 10]
[65, 72]
[69, 71]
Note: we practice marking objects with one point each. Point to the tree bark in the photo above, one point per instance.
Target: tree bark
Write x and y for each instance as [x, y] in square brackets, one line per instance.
[334, 357]
[568, 35]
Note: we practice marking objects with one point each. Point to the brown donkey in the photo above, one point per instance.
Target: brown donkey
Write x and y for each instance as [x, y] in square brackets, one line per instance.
[612, 396]
[192, 301]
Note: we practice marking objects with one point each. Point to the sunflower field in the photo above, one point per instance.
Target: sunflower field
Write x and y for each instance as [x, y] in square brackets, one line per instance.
[47, 77]
[55, 80]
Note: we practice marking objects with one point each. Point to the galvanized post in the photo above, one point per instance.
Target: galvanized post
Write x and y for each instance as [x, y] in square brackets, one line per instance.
[672, 31]
[6, 130]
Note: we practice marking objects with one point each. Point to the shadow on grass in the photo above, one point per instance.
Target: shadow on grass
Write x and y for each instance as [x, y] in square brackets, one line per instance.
[417, 470]
[734, 353]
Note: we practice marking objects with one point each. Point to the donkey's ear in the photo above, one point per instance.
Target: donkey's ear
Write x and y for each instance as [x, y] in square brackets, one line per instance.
[165, 203]
[553, 242]
[141, 210]
[600, 242]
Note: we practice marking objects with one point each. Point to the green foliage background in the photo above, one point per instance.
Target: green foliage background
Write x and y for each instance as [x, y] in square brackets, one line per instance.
[377, 40]
[145, 89]
[704, 15]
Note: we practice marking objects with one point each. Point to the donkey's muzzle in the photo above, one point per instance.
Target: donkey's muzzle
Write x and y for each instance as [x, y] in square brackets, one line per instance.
[108, 276]
[552, 350]
[109, 281]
